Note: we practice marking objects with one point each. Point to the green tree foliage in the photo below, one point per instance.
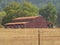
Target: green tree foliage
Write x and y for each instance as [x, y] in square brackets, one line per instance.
[29, 10]
[15, 10]
[49, 12]
[2, 14]
[12, 8]
[11, 12]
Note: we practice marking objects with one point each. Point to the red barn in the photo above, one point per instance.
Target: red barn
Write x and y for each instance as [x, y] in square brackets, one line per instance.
[28, 22]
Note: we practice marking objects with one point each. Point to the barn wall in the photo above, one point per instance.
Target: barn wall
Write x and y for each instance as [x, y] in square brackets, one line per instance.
[38, 22]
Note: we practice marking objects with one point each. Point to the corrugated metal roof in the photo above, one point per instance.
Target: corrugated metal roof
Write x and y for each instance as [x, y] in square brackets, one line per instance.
[20, 18]
[16, 23]
[32, 17]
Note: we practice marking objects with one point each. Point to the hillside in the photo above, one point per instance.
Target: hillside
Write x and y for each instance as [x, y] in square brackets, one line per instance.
[38, 3]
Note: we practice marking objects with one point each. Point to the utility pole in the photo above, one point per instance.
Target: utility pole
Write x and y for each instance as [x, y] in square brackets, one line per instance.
[38, 37]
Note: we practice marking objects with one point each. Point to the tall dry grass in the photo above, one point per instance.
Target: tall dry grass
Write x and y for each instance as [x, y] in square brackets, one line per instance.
[28, 36]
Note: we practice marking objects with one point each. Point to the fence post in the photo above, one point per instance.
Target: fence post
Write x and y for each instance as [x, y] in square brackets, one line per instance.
[38, 37]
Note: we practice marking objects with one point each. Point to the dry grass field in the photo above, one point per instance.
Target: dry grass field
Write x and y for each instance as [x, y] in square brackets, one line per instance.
[18, 37]
[29, 36]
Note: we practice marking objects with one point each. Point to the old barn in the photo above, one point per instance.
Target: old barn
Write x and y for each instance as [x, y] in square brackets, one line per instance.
[28, 22]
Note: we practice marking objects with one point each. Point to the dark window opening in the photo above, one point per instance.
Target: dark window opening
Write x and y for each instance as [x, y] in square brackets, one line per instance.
[21, 26]
[50, 25]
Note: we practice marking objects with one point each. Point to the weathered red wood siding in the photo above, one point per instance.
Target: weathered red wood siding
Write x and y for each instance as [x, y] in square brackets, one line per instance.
[38, 22]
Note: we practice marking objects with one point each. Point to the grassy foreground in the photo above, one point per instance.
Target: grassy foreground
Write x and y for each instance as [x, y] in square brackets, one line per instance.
[24, 36]
[18, 37]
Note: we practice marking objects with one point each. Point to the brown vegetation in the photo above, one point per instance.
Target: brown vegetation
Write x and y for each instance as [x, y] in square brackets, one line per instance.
[29, 36]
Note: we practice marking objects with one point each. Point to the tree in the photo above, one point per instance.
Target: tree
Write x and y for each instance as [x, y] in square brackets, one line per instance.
[2, 14]
[28, 9]
[11, 12]
[58, 19]
[15, 10]
[12, 8]
[49, 12]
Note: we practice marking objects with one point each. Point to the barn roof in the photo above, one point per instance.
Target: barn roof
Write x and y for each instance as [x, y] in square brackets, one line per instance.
[21, 18]
[31, 17]
[16, 23]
